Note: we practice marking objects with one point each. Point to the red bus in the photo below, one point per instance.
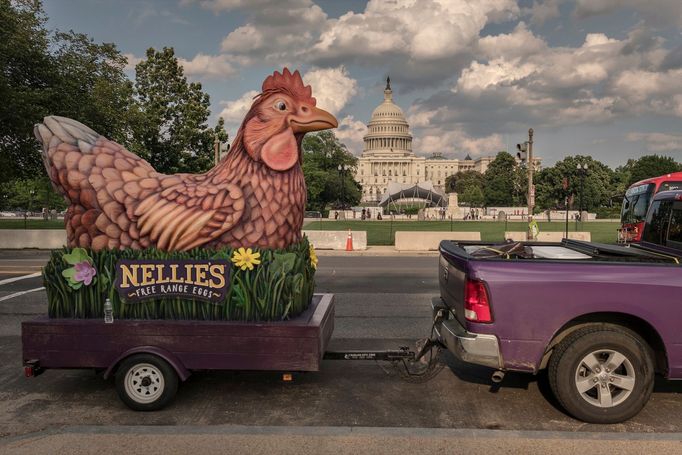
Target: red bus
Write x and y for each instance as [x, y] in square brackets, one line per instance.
[636, 203]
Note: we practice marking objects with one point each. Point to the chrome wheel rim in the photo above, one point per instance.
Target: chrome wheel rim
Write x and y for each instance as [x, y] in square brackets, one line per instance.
[605, 378]
[144, 383]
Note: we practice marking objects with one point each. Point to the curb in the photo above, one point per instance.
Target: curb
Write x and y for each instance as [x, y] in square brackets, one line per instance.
[455, 433]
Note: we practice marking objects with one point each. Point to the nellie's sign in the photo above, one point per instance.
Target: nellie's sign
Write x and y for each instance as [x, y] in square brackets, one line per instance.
[153, 279]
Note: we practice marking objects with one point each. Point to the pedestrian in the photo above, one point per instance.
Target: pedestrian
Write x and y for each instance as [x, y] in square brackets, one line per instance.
[533, 229]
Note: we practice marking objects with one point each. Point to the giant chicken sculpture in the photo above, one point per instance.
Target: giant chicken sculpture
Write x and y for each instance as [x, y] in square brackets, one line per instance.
[254, 197]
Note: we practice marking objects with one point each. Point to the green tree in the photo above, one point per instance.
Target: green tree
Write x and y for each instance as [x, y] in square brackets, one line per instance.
[620, 182]
[459, 182]
[596, 184]
[504, 182]
[219, 130]
[652, 166]
[26, 83]
[92, 86]
[30, 194]
[472, 196]
[171, 131]
[322, 154]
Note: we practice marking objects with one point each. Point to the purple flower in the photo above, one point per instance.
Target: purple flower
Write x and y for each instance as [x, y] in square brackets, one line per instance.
[84, 272]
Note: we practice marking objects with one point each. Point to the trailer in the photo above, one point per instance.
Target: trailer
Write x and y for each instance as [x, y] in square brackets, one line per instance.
[149, 358]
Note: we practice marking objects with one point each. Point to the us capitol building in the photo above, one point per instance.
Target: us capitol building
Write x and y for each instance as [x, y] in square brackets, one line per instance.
[387, 155]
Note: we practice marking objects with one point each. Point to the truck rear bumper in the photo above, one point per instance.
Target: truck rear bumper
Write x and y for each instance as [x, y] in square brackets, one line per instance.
[480, 349]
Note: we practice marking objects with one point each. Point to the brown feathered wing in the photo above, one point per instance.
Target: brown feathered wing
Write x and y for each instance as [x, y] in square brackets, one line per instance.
[190, 213]
[117, 199]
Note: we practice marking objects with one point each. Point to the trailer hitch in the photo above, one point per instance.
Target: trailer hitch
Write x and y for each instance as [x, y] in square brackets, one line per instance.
[413, 365]
[403, 352]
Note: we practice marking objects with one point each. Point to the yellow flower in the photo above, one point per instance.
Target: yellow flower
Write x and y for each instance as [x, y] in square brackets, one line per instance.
[313, 257]
[245, 258]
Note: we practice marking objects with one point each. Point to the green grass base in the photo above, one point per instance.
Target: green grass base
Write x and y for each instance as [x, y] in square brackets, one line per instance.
[280, 287]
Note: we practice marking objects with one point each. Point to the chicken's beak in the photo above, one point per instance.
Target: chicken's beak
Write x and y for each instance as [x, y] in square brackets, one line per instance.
[312, 118]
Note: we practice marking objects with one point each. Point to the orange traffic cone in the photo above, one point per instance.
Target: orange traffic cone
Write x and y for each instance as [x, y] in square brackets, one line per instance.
[349, 241]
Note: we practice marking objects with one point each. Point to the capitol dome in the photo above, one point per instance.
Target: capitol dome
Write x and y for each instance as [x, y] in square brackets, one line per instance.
[388, 131]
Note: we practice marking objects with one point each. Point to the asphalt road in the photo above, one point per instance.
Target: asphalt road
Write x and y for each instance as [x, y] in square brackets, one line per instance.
[382, 302]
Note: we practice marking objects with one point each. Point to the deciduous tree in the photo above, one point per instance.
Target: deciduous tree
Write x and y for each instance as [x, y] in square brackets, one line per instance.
[503, 182]
[652, 166]
[26, 83]
[322, 154]
[171, 131]
[459, 182]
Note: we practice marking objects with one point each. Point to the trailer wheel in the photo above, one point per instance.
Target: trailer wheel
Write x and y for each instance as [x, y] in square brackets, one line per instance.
[602, 374]
[145, 382]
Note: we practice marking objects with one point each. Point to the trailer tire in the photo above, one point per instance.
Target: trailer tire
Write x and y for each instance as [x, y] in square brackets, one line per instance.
[602, 373]
[145, 382]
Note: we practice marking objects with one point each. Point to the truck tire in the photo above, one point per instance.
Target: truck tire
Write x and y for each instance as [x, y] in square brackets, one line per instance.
[602, 373]
[145, 382]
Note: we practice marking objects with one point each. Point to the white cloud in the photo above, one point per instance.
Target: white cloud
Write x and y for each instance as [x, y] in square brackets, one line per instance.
[544, 10]
[419, 30]
[498, 72]
[132, 61]
[658, 142]
[210, 66]
[351, 132]
[234, 111]
[276, 31]
[456, 141]
[519, 43]
[332, 87]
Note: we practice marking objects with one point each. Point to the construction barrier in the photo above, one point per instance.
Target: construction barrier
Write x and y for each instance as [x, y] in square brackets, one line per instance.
[44, 239]
[519, 236]
[429, 241]
[337, 240]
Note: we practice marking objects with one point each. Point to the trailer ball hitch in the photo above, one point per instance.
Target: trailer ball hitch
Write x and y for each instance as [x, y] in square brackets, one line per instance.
[498, 376]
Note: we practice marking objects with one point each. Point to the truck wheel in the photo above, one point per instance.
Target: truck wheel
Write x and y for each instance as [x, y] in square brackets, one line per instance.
[602, 374]
[145, 382]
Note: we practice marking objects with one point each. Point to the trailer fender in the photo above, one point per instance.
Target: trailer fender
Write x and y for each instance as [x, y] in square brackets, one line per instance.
[183, 373]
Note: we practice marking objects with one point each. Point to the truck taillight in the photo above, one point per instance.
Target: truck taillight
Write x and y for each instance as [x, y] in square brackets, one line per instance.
[476, 302]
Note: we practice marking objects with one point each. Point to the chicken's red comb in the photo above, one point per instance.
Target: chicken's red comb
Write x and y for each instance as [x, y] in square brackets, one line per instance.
[291, 83]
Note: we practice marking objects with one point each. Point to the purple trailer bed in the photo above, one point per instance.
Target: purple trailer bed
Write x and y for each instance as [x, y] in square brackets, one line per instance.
[149, 356]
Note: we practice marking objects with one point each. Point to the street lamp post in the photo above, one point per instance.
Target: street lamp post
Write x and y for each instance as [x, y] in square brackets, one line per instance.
[343, 169]
[582, 172]
[531, 190]
[218, 147]
[526, 154]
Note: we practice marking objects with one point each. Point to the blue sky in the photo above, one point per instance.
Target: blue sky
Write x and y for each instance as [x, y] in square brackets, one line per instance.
[599, 77]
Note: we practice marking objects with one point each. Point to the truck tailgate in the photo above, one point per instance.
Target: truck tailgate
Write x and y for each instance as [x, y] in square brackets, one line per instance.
[452, 280]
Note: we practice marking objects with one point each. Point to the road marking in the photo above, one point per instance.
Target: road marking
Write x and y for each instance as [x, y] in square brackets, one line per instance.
[15, 272]
[12, 280]
[17, 294]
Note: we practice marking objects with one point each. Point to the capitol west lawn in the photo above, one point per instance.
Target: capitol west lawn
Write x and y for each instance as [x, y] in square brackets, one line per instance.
[380, 232]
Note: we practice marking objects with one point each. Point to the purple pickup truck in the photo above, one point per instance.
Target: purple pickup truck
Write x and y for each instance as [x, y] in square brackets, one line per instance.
[602, 319]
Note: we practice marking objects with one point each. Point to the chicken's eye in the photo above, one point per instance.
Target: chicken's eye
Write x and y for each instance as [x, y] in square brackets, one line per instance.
[280, 105]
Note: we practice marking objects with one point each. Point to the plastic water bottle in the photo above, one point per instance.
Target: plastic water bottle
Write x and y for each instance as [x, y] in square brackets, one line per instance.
[108, 312]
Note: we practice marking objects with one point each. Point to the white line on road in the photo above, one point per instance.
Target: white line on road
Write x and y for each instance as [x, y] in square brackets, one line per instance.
[17, 294]
[24, 277]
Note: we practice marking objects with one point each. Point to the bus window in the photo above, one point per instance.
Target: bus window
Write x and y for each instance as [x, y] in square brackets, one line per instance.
[675, 229]
[636, 203]
[656, 227]
[670, 186]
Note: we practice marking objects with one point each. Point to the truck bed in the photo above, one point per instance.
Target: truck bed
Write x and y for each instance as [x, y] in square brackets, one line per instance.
[297, 344]
[567, 250]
